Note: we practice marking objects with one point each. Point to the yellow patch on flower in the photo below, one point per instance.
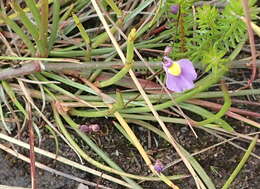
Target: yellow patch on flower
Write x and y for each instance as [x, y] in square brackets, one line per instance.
[175, 69]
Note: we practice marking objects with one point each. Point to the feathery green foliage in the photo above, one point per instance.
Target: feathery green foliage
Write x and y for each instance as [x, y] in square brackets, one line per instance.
[210, 33]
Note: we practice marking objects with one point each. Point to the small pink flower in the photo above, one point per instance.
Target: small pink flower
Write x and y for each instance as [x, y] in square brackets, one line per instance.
[90, 128]
[95, 127]
[175, 9]
[180, 75]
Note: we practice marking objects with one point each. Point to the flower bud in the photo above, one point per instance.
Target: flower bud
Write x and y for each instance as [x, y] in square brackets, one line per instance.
[175, 9]
[158, 166]
[167, 50]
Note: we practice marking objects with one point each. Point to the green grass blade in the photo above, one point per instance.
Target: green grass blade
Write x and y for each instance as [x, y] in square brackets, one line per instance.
[223, 110]
[55, 23]
[8, 89]
[241, 164]
[114, 7]
[139, 9]
[35, 11]
[69, 82]
[82, 30]
[25, 20]
[205, 113]
[2, 117]
[32, 29]
[19, 32]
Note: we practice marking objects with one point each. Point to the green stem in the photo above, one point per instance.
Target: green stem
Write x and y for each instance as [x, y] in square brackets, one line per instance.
[19, 32]
[8, 89]
[222, 111]
[116, 77]
[35, 11]
[69, 82]
[32, 29]
[77, 53]
[241, 164]
[43, 28]
[57, 88]
[94, 162]
[154, 98]
[207, 114]
[114, 7]
[163, 118]
[55, 23]
[100, 39]
[211, 79]
[82, 30]
[116, 106]
[101, 113]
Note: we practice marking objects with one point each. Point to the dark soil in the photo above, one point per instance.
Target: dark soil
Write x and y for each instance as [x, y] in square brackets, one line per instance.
[218, 162]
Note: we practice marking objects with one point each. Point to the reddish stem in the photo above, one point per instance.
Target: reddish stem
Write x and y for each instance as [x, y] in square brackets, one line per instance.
[251, 40]
[216, 106]
[25, 69]
[243, 102]
[32, 153]
[156, 31]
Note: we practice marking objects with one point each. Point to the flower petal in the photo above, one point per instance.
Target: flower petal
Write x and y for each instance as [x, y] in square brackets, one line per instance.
[186, 83]
[187, 69]
[171, 83]
[178, 83]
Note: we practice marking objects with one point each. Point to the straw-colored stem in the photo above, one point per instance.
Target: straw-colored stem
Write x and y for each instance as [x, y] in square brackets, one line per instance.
[91, 160]
[63, 160]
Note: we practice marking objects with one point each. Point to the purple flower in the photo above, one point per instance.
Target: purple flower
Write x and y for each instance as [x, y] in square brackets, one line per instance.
[175, 9]
[158, 166]
[180, 75]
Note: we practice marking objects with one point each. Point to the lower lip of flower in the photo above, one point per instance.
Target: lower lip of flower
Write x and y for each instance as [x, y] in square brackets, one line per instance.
[175, 69]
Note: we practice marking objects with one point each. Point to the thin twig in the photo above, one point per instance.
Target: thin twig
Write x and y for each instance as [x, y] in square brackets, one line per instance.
[67, 64]
[31, 141]
[251, 40]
